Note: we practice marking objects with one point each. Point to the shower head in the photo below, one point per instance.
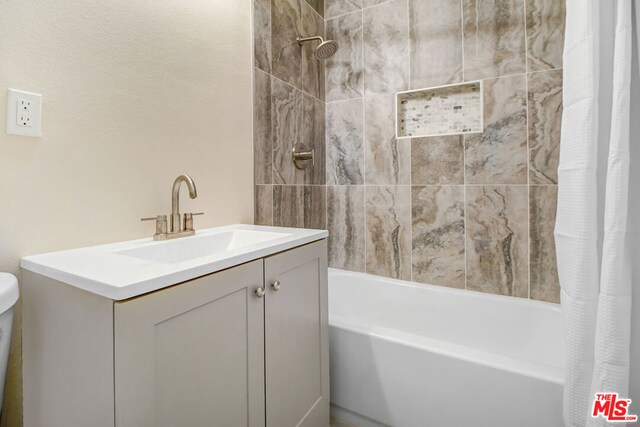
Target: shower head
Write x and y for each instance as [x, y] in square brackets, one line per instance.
[325, 50]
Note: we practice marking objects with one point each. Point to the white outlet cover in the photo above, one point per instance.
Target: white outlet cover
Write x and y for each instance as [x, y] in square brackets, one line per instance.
[24, 113]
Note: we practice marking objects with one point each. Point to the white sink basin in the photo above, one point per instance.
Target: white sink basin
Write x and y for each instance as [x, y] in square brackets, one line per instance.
[127, 269]
[191, 248]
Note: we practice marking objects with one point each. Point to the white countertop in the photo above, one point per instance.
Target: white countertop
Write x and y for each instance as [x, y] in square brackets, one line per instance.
[104, 271]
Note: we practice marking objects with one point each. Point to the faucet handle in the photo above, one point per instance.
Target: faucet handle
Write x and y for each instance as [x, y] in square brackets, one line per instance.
[187, 224]
[161, 223]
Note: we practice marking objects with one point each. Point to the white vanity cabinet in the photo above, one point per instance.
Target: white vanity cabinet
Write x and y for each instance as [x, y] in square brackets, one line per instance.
[205, 352]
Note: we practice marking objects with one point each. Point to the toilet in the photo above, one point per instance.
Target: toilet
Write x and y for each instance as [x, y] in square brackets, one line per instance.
[8, 297]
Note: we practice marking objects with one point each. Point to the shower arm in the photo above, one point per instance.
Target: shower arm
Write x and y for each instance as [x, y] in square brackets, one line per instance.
[301, 40]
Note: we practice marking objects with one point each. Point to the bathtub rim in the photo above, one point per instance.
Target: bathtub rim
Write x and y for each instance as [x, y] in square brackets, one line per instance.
[461, 352]
[445, 289]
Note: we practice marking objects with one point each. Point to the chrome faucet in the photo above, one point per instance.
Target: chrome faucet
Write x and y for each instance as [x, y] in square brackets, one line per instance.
[179, 226]
[176, 220]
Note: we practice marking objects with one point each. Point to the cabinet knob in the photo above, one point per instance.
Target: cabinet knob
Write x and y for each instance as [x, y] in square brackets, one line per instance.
[276, 285]
[260, 292]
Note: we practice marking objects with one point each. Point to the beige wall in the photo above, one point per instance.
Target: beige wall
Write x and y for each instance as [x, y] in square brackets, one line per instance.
[135, 93]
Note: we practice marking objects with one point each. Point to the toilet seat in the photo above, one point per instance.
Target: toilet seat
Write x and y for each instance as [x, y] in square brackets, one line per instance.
[9, 292]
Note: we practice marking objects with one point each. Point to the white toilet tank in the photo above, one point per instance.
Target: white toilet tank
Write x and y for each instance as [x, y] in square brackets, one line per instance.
[8, 297]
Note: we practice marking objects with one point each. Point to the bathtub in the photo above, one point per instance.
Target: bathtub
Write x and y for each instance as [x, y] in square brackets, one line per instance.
[413, 355]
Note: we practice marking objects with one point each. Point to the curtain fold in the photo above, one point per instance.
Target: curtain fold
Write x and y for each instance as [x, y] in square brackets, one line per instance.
[577, 220]
[595, 274]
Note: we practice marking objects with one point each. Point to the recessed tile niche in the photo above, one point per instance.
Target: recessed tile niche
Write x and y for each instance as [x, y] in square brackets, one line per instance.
[438, 111]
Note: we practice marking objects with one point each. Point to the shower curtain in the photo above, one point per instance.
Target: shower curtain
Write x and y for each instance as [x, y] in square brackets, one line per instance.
[597, 228]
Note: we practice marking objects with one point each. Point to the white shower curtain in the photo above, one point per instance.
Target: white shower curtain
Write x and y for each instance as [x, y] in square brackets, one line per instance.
[597, 222]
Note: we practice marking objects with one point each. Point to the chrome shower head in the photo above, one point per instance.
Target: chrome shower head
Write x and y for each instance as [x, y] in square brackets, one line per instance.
[325, 50]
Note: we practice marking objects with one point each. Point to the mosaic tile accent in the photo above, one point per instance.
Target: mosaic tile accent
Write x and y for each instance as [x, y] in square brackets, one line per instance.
[446, 110]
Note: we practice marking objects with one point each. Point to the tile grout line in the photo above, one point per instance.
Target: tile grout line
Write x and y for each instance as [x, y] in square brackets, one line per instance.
[359, 10]
[296, 88]
[364, 142]
[271, 77]
[410, 141]
[464, 154]
[526, 94]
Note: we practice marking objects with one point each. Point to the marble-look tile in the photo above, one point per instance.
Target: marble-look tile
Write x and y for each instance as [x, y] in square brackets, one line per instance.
[545, 33]
[345, 151]
[312, 68]
[333, 8]
[262, 34]
[345, 222]
[301, 206]
[386, 48]
[387, 160]
[287, 111]
[494, 38]
[545, 285]
[438, 235]
[499, 154]
[437, 160]
[545, 122]
[370, 3]
[435, 32]
[262, 139]
[497, 240]
[313, 134]
[263, 204]
[345, 70]
[285, 51]
[388, 231]
[317, 5]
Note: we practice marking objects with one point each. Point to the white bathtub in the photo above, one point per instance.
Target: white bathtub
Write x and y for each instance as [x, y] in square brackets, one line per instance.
[405, 355]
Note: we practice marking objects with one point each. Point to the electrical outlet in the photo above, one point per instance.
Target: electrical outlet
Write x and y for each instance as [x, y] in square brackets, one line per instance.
[24, 113]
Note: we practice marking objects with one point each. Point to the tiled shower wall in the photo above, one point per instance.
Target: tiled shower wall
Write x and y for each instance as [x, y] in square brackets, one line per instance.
[289, 108]
[474, 212]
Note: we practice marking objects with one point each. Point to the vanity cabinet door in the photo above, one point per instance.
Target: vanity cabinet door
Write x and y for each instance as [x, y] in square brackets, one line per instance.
[193, 354]
[296, 338]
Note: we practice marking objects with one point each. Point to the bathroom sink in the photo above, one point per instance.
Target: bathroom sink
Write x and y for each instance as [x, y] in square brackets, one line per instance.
[127, 269]
[198, 246]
